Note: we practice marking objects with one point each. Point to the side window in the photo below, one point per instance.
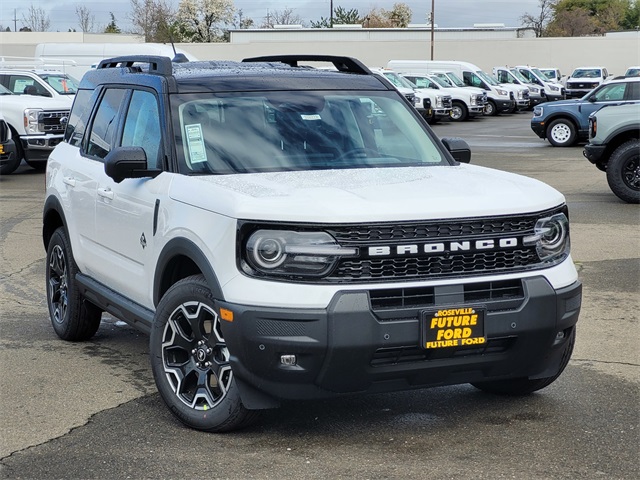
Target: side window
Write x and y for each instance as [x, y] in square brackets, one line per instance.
[633, 91]
[105, 123]
[611, 92]
[526, 75]
[473, 80]
[78, 118]
[22, 84]
[142, 126]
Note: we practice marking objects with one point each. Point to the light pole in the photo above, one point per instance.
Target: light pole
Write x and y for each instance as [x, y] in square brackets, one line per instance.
[433, 21]
[331, 15]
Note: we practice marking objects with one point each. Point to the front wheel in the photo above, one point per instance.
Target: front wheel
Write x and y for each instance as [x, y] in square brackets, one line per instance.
[190, 360]
[490, 108]
[73, 318]
[459, 112]
[525, 386]
[561, 133]
[623, 171]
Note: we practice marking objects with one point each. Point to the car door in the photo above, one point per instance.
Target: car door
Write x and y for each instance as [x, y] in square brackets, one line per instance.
[125, 211]
[606, 94]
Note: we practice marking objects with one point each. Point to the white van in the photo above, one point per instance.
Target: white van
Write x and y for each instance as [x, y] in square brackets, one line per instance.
[499, 98]
[80, 57]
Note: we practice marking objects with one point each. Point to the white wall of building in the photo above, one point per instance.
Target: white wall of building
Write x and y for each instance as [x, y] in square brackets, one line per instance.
[616, 52]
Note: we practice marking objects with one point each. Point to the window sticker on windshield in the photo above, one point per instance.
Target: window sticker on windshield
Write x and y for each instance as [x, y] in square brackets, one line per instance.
[195, 142]
[311, 117]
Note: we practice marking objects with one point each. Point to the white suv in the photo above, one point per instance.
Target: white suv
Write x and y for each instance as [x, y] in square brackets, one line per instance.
[285, 232]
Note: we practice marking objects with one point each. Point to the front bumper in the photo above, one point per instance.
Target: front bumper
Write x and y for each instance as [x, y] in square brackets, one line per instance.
[38, 147]
[538, 128]
[504, 105]
[594, 153]
[362, 343]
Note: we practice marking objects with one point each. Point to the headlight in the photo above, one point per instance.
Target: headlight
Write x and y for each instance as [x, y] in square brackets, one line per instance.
[289, 253]
[438, 101]
[520, 94]
[537, 111]
[31, 120]
[501, 92]
[472, 100]
[554, 89]
[551, 238]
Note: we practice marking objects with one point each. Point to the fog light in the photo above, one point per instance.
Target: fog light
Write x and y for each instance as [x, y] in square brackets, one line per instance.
[288, 359]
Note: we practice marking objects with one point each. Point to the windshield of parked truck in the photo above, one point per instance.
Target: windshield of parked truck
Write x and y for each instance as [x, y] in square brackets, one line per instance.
[399, 81]
[487, 78]
[587, 73]
[541, 76]
[61, 83]
[440, 81]
[455, 79]
[299, 130]
[518, 75]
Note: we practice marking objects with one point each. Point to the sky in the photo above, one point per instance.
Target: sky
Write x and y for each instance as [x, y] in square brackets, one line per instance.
[448, 13]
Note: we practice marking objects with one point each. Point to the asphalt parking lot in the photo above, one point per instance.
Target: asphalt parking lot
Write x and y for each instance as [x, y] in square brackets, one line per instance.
[90, 410]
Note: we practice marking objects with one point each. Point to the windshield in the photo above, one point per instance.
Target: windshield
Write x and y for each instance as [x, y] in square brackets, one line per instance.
[440, 81]
[399, 81]
[550, 74]
[457, 81]
[487, 78]
[61, 83]
[518, 75]
[541, 76]
[633, 72]
[285, 131]
[586, 73]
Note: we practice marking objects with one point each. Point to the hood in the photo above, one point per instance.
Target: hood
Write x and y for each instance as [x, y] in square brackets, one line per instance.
[564, 104]
[36, 101]
[366, 195]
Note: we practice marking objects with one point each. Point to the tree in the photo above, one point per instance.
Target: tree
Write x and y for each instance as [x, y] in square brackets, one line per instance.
[538, 22]
[574, 23]
[86, 21]
[112, 27]
[243, 22]
[400, 15]
[282, 17]
[152, 19]
[346, 17]
[631, 19]
[204, 20]
[36, 20]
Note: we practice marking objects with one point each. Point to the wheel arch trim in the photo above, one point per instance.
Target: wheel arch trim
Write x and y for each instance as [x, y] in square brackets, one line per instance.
[182, 247]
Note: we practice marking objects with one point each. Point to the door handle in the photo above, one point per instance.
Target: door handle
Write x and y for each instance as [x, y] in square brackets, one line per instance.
[69, 181]
[106, 193]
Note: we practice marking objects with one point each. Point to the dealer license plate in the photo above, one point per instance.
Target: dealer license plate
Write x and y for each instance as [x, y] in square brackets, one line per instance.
[452, 327]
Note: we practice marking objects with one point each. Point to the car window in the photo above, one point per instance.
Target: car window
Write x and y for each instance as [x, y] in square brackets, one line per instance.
[105, 123]
[78, 117]
[610, 92]
[422, 82]
[472, 80]
[142, 126]
[63, 84]
[23, 84]
[633, 91]
[299, 131]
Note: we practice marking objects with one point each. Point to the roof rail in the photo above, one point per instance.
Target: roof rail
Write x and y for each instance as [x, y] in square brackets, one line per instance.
[28, 63]
[157, 64]
[343, 64]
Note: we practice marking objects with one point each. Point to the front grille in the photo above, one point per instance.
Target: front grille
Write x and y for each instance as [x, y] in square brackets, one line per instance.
[400, 355]
[496, 295]
[50, 121]
[525, 95]
[411, 97]
[446, 102]
[582, 85]
[435, 266]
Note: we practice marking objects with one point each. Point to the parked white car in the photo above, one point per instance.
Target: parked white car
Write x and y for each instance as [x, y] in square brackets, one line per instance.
[464, 103]
[584, 79]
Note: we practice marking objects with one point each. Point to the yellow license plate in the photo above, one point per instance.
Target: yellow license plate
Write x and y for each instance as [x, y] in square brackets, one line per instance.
[452, 327]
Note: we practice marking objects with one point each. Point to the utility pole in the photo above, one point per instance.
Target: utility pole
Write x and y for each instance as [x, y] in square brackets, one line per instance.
[331, 15]
[15, 21]
[433, 21]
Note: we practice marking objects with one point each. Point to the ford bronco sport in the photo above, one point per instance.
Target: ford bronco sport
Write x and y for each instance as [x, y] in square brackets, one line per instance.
[287, 233]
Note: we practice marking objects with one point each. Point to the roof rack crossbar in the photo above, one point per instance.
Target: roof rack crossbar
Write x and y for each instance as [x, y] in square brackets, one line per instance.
[157, 64]
[343, 64]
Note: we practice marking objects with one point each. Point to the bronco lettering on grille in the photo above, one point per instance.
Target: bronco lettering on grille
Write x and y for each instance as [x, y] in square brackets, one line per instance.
[441, 247]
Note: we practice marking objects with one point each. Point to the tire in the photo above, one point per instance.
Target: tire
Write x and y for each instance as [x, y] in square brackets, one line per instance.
[561, 133]
[623, 171]
[39, 165]
[525, 386]
[490, 108]
[10, 167]
[73, 318]
[189, 355]
[459, 112]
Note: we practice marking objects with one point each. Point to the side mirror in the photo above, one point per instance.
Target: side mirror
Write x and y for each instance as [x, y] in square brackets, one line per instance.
[128, 162]
[458, 148]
